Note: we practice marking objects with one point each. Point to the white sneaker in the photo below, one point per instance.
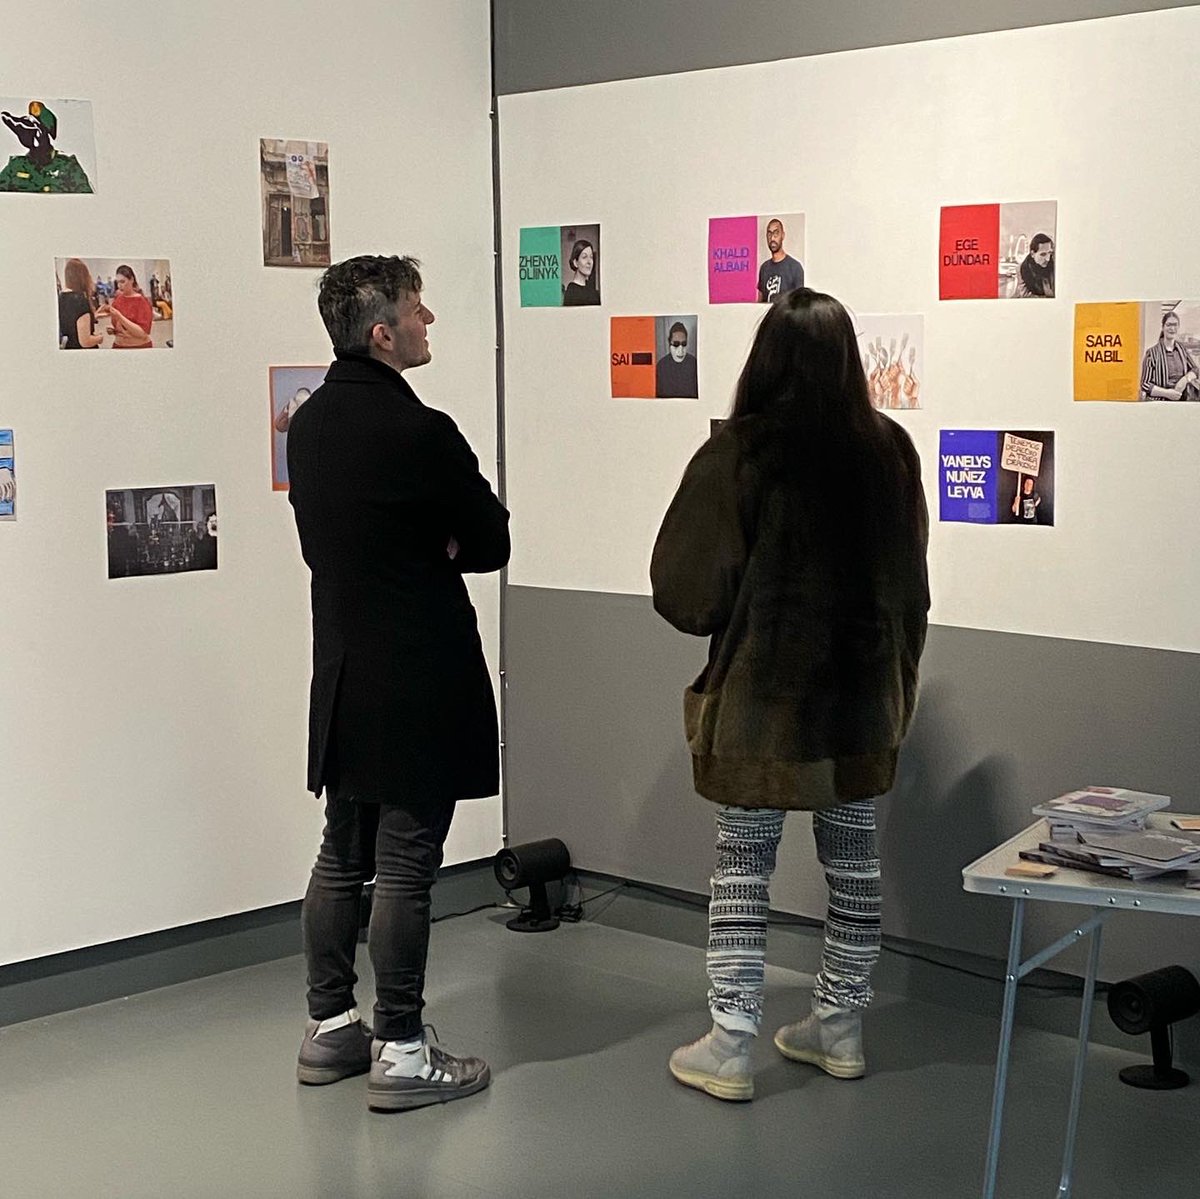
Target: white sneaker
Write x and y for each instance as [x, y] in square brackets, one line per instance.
[718, 1064]
[402, 1079]
[830, 1038]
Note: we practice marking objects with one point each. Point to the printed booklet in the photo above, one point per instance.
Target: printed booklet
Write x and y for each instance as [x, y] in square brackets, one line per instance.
[1107, 806]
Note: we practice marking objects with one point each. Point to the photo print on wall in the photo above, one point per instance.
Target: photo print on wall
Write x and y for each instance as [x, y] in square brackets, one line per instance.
[295, 202]
[161, 530]
[1132, 352]
[559, 266]
[51, 146]
[754, 259]
[654, 357]
[290, 387]
[988, 477]
[8, 476]
[998, 251]
[893, 358]
[115, 303]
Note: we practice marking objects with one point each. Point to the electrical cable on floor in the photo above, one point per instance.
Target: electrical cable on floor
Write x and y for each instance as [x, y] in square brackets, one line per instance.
[483, 907]
[1050, 988]
[610, 895]
[618, 887]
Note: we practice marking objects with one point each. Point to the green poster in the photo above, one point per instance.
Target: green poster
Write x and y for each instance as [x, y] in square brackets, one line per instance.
[541, 268]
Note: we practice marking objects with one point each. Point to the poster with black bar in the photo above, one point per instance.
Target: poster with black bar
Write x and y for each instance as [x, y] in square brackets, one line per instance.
[996, 477]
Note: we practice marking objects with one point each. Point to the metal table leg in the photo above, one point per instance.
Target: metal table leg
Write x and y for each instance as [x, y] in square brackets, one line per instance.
[1085, 1020]
[1011, 977]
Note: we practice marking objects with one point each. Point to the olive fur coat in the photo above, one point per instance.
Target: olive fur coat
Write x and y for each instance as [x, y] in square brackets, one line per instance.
[811, 582]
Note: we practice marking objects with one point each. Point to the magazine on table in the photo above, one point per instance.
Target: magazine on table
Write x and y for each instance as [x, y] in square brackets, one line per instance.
[1052, 854]
[1103, 805]
[1149, 847]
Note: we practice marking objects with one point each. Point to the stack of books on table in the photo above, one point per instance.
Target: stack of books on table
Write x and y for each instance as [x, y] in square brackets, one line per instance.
[1103, 829]
[1098, 809]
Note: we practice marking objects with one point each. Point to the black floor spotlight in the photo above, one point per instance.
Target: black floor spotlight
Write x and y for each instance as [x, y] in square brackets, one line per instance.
[1152, 1003]
[533, 865]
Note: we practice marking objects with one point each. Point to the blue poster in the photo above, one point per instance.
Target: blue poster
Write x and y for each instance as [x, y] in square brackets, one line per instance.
[8, 486]
[990, 477]
[968, 469]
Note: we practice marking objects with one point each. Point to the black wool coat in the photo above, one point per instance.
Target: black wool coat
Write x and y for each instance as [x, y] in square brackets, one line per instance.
[811, 583]
[401, 706]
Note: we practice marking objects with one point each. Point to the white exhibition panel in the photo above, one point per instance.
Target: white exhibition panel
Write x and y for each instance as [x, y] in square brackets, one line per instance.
[869, 145]
[154, 729]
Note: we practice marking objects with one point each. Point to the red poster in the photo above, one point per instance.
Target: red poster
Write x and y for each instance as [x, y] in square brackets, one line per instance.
[969, 252]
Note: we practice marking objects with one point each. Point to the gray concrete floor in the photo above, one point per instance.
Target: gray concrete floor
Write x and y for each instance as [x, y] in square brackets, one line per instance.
[189, 1092]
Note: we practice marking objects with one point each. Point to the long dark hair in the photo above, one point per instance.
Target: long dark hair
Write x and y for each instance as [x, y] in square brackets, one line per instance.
[803, 393]
[816, 454]
[804, 370]
[127, 271]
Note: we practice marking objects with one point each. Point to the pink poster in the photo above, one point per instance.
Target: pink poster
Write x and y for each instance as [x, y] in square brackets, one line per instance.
[732, 269]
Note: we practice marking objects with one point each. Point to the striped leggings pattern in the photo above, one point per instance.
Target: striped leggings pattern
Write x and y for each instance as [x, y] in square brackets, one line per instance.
[747, 843]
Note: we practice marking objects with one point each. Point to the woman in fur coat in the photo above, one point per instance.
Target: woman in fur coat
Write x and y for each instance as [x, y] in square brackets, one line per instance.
[796, 543]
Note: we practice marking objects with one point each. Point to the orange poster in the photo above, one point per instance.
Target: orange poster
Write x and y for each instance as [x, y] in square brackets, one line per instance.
[1108, 359]
[633, 357]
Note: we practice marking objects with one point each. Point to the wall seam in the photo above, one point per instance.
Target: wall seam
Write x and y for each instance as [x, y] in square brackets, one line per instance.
[501, 474]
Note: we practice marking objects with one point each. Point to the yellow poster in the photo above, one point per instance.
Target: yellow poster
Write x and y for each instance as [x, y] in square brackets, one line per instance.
[1108, 355]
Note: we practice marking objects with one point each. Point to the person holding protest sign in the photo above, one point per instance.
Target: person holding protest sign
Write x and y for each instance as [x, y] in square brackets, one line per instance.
[1026, 501]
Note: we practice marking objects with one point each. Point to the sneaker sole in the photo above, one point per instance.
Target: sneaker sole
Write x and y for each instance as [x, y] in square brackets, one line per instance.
[380, 1100]
[718, 1088]
[322, 1076]
[831, 1066]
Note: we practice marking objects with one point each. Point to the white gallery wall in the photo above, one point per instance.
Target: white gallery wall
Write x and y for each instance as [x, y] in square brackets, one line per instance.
[869, 145]
[153, 730]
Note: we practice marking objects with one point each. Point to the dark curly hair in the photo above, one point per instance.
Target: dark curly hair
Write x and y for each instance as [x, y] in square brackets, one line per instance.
[360, 293]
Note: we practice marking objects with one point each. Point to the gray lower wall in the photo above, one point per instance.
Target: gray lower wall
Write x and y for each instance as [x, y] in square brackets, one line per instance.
[42, 986]
[596, 757]
[541, 44]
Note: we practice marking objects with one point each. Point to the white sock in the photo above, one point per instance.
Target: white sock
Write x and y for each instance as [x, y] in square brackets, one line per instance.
[336, 1022]
[408, 1059]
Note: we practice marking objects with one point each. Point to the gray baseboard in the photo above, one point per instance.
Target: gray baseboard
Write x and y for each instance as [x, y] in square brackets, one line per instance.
[40, 987]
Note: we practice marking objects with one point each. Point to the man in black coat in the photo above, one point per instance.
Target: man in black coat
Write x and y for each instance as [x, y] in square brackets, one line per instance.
[392, 511]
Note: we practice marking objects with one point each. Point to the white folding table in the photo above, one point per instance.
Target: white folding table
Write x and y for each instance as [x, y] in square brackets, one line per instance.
[1104, 894]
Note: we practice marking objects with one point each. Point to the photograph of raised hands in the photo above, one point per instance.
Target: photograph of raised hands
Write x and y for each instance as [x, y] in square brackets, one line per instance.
[892, 349]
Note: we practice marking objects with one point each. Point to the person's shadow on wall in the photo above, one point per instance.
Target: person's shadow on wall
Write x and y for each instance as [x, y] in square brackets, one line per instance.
[945, 811]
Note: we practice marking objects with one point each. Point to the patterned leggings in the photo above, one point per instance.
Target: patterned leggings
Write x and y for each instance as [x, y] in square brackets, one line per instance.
[747, 840]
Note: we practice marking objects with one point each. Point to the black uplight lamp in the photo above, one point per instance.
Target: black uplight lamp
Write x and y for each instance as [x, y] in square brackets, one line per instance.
[533, 865]
[1152, 1003]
